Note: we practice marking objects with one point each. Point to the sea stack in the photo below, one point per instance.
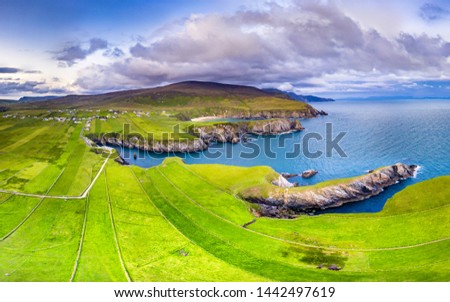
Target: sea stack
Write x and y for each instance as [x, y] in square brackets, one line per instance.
[309, 173]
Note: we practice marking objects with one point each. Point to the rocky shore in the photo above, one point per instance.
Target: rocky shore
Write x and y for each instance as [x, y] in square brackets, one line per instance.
[205, 135]
[288, 203]
[309, 112]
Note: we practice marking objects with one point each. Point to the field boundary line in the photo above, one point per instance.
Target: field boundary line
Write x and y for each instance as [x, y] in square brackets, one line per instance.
[80, 246]
[6, 180]
[203, 229]
[88, 189]
[299, 243]
[160, 212]
[7, 198]
[116, 240]
[83, 195]
[32, 210]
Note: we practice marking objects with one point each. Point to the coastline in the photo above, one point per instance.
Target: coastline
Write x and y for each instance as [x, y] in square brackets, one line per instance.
[206, 118]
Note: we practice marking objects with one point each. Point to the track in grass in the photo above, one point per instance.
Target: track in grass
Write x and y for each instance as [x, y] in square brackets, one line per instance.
[177, 222]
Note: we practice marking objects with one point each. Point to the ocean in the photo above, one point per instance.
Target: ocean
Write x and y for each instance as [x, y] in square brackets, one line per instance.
[366, 134]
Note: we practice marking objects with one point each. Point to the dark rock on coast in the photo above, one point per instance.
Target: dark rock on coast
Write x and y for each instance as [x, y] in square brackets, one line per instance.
[288, 203]
[205, 135]
[309, 173]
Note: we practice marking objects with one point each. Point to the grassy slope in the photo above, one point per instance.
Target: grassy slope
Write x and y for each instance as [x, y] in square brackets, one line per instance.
[161, 127]
[378, 231]
[45, 152]
[44, 247]
[170, 222]
[152, 248]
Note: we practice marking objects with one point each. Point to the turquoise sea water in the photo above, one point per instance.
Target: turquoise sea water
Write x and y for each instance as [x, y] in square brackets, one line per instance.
[378, 133]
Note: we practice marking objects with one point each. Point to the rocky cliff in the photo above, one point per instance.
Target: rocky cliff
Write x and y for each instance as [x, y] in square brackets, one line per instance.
[288, 203]
[308, 112]
[220, 132]
[233, 132]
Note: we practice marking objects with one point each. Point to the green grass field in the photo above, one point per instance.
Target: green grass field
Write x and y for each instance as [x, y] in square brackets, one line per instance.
[178, 222]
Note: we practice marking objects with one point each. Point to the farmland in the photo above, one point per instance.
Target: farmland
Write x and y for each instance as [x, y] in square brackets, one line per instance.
[70, 212]
[169, 222]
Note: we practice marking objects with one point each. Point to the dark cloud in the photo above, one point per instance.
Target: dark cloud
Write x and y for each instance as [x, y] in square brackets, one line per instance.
[97, 44]
[431, 50]
[75, 52]
[9, 70]
[17, 70]
[37, 87]
[114, 53]
[431, 12]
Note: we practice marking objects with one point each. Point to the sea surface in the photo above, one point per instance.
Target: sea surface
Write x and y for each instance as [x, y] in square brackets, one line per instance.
[376, 133]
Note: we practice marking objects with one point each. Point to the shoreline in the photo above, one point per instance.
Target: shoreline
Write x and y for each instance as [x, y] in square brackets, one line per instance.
[205, 118]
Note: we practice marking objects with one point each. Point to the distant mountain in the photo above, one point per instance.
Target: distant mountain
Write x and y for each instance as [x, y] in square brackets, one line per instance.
[298, 97]
[170, 95]
[6, 102]
[186, 100]
[29, 99]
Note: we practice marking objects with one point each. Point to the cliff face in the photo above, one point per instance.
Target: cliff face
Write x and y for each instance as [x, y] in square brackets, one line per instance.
[232, 132]
[308, 112]
[222, 132]
[289, 202]
[156, 146]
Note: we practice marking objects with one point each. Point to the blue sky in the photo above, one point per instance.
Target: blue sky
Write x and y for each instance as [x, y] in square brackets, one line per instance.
[333, 48]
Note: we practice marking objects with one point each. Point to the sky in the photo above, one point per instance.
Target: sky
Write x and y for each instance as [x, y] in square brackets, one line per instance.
[334, 48]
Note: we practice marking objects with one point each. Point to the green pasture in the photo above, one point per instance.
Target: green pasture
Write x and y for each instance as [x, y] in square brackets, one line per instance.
[178, 222]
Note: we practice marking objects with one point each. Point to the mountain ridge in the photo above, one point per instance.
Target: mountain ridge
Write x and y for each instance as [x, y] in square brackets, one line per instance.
[299, 97]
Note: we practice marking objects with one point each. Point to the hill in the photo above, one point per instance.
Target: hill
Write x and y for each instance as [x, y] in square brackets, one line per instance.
[27, 99]
[7, 102]
[188, 99]
[158, 95]
[298, 97]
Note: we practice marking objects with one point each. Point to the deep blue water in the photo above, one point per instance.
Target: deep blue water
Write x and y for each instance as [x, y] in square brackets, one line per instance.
[378, 133]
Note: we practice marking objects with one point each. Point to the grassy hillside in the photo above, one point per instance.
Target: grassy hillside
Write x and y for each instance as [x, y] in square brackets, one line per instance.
[186, 99]
[39, 157]
[169, 222]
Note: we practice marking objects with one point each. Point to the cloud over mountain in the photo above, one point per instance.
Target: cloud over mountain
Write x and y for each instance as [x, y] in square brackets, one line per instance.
[300, 42]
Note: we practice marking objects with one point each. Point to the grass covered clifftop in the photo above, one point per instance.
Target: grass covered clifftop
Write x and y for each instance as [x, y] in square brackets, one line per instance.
[289, 201]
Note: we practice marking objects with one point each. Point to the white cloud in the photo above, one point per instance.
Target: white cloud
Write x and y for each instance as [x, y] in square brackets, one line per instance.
[285, 45]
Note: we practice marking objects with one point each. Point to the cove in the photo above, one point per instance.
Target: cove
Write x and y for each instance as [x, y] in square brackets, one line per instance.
[377, 133]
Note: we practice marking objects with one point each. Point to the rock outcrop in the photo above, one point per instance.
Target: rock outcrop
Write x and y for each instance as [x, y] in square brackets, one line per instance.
[220, 132]
[119, 159]
[308, 112]
[289, 175]
[288, 203]
[282, 182]
[309, 173]
[233, 132]
[155, 146]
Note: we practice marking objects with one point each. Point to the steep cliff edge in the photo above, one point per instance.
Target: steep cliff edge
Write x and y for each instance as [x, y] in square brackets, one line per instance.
[233, 132]
[204, 135]
[287, 203]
